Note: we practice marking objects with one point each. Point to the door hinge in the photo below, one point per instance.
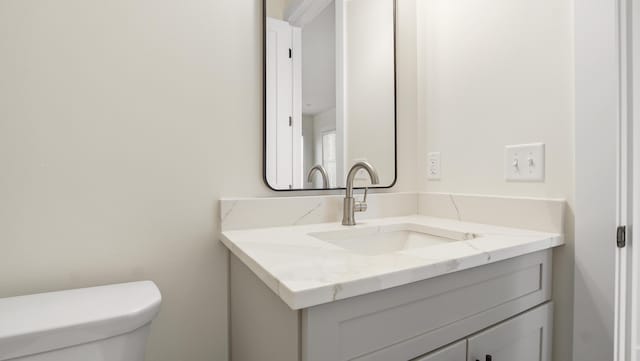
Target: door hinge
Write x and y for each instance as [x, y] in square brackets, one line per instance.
[290, 121]
[290, 53]
[621, 236]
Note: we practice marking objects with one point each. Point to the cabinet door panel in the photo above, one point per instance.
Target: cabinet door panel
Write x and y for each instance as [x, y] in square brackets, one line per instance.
[455, 352]
[524, 338]
[402, 323]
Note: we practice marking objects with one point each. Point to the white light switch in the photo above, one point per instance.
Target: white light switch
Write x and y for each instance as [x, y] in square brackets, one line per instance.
[433, 166]
[524, 162]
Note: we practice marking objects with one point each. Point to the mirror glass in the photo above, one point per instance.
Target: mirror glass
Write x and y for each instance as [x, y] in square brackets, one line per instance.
[329, 92]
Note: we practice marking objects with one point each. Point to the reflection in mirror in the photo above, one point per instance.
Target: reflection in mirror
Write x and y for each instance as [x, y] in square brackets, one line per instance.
[330, 91]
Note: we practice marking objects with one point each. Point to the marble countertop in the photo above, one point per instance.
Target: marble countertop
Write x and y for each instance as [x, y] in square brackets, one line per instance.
[305, 271]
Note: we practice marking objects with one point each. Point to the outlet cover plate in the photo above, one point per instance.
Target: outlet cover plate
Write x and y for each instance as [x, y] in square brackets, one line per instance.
[525, 162]
[362, 177]
[433, 166]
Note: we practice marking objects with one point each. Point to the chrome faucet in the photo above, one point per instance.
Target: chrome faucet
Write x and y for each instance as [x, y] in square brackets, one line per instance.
[350, 204]
[323, 172]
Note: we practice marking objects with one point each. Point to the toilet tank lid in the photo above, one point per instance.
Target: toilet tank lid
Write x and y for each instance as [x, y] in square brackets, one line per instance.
[48, 321]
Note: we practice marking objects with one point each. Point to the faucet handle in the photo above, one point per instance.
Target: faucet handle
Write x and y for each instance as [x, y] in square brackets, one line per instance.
[362, 206]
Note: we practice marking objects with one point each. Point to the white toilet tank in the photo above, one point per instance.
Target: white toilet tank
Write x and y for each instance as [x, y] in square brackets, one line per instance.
[107, 323]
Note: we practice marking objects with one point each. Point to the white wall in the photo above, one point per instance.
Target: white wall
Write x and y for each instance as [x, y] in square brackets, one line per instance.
[596, 170]
[407, 122]
[275, 8]
[369, 85]
[308, 156]
[319, 63]
[121, 125]
[495, 73]
[322, 123]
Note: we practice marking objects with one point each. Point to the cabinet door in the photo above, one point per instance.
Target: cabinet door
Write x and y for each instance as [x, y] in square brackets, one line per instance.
[523, 338]
[455, 352]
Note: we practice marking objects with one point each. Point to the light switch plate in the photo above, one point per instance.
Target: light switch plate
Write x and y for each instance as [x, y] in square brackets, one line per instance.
[525, 162]
[433, 166]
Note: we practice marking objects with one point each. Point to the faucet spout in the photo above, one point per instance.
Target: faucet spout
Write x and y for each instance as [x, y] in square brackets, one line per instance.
[350, 204]
[373, 174]
[323, 171]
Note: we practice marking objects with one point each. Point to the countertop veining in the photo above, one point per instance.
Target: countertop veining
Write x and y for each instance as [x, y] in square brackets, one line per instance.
[305, 271]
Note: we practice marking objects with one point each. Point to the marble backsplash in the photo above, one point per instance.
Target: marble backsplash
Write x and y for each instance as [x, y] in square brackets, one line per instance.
[248, 213]
[540, 214]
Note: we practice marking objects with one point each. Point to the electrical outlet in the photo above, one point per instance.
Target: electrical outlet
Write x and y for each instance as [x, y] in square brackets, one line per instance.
[525, 162]
[362, 177]
[433, 166]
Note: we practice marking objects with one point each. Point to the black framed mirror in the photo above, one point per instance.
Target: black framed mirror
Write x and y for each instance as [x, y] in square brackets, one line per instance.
[330, 92]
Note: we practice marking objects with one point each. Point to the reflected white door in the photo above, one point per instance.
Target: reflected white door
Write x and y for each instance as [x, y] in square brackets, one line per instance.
[283, 123]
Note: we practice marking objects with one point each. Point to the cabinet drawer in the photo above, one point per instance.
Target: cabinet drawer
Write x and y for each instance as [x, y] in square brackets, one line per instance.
[405, 322]
[455, 352]
[524, 338]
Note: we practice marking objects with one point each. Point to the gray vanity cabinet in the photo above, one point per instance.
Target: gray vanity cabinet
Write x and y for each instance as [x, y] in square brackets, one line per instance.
[523, 338]
[502, 309]
[526, 337]
[455, 352]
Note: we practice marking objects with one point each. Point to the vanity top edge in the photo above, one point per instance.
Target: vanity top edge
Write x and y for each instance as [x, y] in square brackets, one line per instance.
[305, 271]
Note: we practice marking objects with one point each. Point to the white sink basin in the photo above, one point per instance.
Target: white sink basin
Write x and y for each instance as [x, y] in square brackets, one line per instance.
[390, 238]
